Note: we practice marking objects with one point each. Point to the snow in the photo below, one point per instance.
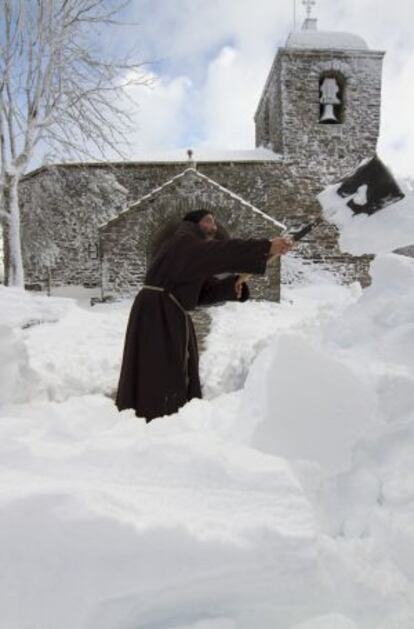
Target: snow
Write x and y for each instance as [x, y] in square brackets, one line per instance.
[325, 39]
[201, 154]
[285, 498]
[194, 172]
[292, 392]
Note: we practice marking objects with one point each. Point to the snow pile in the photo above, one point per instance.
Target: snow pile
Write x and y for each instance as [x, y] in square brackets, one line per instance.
[143, 524]
[81, 353]
[258, 322]
[52, 349]
[342, 378]
[19, 310]
[223, 371]
[310, 404]
[384, 311]
[17, 379]
[376, 333]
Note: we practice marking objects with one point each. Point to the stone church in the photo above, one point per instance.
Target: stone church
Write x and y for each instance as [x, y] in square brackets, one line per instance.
[92, 224]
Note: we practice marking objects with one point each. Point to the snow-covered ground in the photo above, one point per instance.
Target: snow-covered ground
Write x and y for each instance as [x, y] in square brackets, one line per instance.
[283, 500]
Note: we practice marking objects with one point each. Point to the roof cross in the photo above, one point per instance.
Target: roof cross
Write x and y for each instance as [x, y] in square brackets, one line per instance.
[308, 4]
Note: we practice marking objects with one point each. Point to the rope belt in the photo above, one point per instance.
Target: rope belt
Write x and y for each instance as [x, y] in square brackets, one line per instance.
[160, 289]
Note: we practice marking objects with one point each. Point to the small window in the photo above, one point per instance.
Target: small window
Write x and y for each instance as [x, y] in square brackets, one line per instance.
[331, 98]
[93, 251]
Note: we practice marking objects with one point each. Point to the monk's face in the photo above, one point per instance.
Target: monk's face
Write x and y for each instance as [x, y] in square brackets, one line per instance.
[208, 226]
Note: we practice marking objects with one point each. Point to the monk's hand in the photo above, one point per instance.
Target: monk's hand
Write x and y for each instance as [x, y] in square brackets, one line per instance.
[238, 286]
[280, 245]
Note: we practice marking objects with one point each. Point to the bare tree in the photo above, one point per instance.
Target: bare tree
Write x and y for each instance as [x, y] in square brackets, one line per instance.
[57, 87]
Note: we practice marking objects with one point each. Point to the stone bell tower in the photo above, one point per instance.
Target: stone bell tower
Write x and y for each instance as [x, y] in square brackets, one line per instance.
[320, 107]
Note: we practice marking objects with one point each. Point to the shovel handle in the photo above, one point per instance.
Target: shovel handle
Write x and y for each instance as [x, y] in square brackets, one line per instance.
[301, 233]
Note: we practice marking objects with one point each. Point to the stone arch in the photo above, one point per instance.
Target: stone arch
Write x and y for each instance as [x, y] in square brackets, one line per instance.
[335, 65]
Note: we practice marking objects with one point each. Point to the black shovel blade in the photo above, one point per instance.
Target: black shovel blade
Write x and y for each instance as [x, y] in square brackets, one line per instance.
[373, 187]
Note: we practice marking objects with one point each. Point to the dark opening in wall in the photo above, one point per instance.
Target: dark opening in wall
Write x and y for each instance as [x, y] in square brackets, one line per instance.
[331, 98]
[93, 251]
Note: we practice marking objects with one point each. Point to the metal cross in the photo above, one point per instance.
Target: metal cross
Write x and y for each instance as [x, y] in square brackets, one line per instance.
[308, 4]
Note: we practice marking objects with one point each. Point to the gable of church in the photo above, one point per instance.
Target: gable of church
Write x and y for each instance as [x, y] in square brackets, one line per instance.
[126, 240]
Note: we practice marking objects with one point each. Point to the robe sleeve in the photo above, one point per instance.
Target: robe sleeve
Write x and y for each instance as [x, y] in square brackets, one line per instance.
[205, 258]
[215, 290]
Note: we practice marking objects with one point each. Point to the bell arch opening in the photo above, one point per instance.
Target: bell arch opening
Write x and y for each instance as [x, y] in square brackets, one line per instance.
[332, 95]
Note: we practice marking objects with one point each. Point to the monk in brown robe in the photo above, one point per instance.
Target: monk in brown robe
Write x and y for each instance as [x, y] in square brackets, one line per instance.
[159, 372]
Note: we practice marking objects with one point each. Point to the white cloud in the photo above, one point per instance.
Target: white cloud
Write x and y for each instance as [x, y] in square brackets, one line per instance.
[228, 121]
[397, 129]
[161, 114]
[186, 29]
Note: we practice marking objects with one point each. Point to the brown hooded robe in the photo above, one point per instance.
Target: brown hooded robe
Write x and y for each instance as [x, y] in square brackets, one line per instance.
[159, 371]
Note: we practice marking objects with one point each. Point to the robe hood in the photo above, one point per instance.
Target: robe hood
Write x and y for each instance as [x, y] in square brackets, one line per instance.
[189, 228]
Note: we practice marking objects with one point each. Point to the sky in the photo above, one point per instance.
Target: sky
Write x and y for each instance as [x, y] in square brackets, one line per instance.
[210, 59]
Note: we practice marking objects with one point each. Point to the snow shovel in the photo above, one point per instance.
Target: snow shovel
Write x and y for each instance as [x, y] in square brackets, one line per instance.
[368, 189]
[371, 187]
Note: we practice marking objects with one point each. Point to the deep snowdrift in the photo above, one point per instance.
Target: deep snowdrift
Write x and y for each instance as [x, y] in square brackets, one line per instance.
[285, 499]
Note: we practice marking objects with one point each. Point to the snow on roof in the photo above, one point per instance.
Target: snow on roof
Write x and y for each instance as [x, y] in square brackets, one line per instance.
[260, 154]
[211, 155]
[325, 39]
[192, 170]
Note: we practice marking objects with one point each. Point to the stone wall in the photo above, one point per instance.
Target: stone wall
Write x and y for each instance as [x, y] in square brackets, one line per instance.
[268, 117]
[61, 209]
[63, 206]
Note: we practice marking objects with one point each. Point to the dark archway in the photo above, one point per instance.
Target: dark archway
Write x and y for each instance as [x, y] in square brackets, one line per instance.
[168, 229]
[266, 124]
